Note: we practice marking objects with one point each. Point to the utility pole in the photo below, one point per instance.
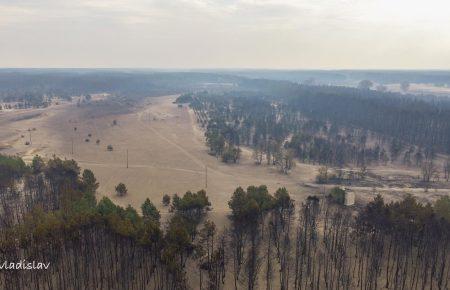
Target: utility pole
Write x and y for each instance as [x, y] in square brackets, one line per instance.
[127, 158]
[73, 133]
[206, 176]
[29, 131]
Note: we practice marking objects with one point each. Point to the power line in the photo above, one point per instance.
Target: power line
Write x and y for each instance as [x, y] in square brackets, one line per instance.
[29, 131]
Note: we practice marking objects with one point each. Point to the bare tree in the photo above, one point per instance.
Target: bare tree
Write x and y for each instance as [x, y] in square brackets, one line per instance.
[428, 170]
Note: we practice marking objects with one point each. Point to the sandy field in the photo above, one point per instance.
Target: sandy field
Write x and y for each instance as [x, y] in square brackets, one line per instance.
[166, 153]
[422, 89]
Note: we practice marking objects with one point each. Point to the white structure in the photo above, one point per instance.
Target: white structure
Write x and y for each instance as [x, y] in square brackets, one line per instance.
[349, 198]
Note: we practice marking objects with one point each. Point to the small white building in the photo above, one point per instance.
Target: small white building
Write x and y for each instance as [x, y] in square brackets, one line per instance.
[349, 197]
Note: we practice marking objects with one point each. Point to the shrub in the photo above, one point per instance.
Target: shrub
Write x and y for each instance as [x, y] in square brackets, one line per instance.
[121, 189]
[166, 200]
[337, 194]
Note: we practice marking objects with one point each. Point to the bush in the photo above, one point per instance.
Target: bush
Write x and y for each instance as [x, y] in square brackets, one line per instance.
[109, 147]
[166, 200]
[232, 154]
[337, 194]
[121, 189]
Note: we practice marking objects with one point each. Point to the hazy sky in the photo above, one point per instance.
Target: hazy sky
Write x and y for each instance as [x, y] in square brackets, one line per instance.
[227, 34]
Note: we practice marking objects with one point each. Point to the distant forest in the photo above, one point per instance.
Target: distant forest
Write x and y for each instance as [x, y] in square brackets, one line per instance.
[49, 213]
[23, 85]
[344, 77]
[32, 84]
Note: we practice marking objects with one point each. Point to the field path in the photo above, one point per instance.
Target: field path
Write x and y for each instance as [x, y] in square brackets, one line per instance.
[120, 165]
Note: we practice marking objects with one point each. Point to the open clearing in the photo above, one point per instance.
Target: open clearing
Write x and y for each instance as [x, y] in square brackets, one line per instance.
[422, 89]
[166, 153]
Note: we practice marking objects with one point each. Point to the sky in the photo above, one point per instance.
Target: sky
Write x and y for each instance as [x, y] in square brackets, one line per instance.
[283, 34]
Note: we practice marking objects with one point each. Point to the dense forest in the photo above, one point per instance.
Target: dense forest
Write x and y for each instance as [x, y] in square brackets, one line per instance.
[327, 125]
[427, 117]
[49, 213]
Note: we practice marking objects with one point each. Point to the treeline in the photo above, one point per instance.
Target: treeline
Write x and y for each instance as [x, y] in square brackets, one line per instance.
[346, 77]
[271, 242]
[333, 126]
[16, 84]
[277, 133]
[24, 100]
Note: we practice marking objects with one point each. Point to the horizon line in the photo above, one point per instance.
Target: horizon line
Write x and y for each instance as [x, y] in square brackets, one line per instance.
[224, 69]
